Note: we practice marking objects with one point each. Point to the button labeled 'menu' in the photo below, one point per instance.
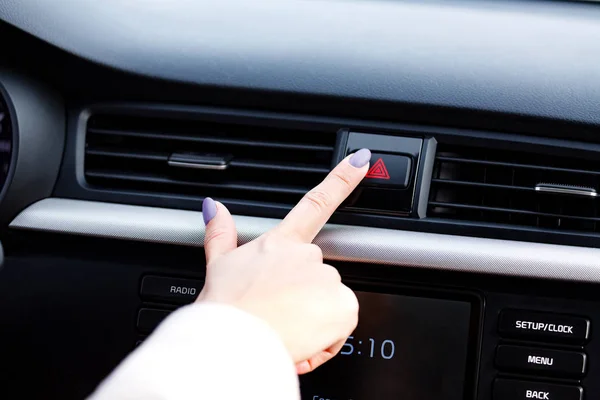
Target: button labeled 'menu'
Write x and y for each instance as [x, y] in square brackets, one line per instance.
[544, 326]
[541, 361]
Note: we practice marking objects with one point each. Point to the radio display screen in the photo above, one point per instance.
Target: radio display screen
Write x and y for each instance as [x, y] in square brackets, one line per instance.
[410, 348]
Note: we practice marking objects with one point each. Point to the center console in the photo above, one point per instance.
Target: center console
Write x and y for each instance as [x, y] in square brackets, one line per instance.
[422, 334]
[436, 343]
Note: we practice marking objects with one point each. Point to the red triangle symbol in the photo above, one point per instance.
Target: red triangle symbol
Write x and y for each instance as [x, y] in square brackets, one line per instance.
[378, 171]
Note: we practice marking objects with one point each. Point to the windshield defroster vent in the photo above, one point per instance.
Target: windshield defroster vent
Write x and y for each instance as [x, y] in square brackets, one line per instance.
[515, 188]
[188, 157]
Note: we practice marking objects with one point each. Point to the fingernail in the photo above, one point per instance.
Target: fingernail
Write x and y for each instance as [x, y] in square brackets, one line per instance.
[360, 158]
[209, 210]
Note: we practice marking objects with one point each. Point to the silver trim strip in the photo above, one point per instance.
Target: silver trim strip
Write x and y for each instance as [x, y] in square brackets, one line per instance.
[339, 242]
[565, 189]
[180, 164]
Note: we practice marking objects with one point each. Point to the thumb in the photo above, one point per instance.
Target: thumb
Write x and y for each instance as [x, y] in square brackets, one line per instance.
[221, 235]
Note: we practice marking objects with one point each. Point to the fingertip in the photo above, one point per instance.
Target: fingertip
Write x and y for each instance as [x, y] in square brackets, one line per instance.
[220, 236]
[319, 359]
[220, 205]
[360, 158]
[209, 210]
[303, 367]
[223, 212]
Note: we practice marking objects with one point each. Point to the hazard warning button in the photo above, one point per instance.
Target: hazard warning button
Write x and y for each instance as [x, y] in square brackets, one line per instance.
[388, 171]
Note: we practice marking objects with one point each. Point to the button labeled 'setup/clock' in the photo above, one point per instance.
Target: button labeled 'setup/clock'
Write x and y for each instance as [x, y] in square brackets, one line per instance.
[544, 326]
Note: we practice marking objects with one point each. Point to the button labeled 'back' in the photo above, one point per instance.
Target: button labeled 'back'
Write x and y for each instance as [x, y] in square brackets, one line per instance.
[508, 389]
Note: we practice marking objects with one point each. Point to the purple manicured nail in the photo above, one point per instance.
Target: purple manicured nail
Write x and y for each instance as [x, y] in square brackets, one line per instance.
[209, 210]
[360, 158]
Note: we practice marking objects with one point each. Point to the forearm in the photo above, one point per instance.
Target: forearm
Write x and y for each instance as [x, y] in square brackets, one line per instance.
[206, 351]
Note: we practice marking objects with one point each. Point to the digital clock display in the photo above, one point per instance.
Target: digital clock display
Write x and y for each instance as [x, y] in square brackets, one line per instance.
[410, 348]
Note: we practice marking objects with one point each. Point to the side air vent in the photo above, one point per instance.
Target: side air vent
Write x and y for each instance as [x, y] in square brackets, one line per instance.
[200, 158]
[6, 142]
[509, 187]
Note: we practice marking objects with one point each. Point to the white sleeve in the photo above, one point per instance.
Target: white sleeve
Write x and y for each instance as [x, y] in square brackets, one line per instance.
[208, 352]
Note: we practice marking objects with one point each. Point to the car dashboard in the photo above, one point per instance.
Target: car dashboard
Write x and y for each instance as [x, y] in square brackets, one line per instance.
[472, 244]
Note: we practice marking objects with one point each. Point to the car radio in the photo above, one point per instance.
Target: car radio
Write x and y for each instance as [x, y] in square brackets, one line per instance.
[424, 343]
[423, 334]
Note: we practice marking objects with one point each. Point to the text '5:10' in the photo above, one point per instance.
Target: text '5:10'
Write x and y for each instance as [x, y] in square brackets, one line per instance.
[370, 348]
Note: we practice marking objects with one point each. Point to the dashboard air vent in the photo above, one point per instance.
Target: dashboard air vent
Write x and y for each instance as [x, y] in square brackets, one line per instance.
[189, 157]
[6, 142]
[514, 188]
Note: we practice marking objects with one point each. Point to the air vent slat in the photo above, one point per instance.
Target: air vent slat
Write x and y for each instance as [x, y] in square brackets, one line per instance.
[279, 167]
[128, 154]
[515, 165]
[168, 181]
[481, 185]
[210, 139]
[511, 211]
[486, 185]
[233, 164]
[227, 160]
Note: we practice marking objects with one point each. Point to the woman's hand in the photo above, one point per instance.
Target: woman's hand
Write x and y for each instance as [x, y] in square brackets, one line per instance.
[281, 278]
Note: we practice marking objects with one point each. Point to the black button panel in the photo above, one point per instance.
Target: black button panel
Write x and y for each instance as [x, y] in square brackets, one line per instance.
[388, 171]
[566, 360]
[174, 290]
[508, 389]
[540, 361]
[540, 355]
[544, 326]
[149, 319]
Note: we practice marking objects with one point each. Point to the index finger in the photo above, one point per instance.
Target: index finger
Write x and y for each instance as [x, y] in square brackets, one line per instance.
[309, 216]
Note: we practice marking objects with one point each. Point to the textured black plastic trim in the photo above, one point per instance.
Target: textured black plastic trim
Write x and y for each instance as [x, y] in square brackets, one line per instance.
[424, 176]
[38, 117]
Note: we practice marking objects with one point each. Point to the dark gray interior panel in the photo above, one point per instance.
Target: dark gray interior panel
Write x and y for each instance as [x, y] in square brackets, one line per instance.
[40, 136]
[534, 58]
[93, 212]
